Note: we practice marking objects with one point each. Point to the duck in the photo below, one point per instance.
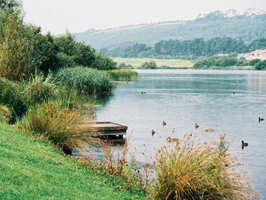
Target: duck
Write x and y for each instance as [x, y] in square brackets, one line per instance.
[244, 144]
[164, 123]
[196, 125]
[260, 119]
[152, 132]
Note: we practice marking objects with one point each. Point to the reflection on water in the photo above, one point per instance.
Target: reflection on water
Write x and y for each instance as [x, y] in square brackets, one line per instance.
[229, 102]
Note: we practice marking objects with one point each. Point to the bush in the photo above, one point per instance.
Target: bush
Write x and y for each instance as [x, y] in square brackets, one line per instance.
[86, 80]
[188, 169]
[103, 63]
[39, 89]
[149, 65]
[254, 62]
[260, 65]
[60, 125]
[10, 97]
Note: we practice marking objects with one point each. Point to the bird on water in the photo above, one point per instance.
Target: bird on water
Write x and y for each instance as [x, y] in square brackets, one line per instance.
[196, 125]
[152, 132]
[164, 123]
[260, 119]
[244, 144]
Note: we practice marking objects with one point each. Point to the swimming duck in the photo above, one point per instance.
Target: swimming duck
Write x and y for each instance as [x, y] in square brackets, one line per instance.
[260, 119]
[164, 123]
[196, 125]
[244, 144]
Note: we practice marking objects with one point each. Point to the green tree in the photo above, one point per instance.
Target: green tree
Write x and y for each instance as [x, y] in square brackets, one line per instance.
[16, 46]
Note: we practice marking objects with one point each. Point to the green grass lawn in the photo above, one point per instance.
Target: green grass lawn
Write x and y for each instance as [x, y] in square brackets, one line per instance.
[33, 169]
[173, 63]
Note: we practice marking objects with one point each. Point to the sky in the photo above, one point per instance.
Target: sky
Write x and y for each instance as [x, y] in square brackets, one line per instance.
[59, 16]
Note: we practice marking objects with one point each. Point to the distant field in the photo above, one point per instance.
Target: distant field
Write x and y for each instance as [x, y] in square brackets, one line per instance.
[136, 62]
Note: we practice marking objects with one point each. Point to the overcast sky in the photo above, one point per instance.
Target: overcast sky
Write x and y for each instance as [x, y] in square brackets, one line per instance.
[57, 16]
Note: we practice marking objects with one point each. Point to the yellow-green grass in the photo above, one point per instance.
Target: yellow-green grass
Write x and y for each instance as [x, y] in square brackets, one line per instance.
[173, 63]
[31, 168]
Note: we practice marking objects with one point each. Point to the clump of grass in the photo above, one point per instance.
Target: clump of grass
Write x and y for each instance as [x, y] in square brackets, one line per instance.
[122, 75]
[188, 169]
[60, 125]
[5, 113]
[39, 89]
[86, 80]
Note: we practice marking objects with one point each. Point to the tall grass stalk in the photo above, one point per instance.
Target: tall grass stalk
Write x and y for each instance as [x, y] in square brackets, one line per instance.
[59, 125]
[188, 169]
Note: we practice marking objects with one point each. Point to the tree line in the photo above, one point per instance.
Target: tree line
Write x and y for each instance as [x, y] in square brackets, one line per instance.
[187, 49]
[25, 50]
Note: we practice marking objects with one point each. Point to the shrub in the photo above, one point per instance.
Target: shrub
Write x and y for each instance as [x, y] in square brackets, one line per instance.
[39, 89]
[125, 75]
[260, 65]
[86, 80]
[60, 125]
[188, 169]
[10, 97]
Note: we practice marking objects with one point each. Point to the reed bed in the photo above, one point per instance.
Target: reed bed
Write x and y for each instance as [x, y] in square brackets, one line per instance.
[190, 169]
[122, 75]
[86, 80]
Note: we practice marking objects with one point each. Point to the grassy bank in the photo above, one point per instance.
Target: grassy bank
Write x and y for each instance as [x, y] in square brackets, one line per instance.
[173, 63]
[30, 169]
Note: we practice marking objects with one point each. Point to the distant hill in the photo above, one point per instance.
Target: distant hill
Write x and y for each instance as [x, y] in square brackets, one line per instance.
[247, 26]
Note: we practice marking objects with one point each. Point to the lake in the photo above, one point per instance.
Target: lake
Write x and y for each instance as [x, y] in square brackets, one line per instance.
[229, 102]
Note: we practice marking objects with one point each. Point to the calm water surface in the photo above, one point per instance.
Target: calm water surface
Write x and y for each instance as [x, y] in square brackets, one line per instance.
[228, 101]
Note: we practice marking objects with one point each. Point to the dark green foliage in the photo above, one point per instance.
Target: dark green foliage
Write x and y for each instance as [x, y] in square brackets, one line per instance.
[88, 81]
[260, 65]
[200, 64]
[218, 62]
[76, 52]
[178, 49]
[259, 43]
[254, 62]
[149, 65]
[48, 53]
[10, 97]
[103, 63]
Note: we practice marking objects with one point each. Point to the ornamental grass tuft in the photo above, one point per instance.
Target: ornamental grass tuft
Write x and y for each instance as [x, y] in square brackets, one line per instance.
[190, 169]
[59, 125]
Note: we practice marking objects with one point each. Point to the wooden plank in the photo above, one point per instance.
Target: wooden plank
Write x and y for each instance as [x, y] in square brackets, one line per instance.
[108, 128]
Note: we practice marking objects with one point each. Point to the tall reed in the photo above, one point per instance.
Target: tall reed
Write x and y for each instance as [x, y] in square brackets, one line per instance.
[190, 169]
[86, 80]
[122, 75]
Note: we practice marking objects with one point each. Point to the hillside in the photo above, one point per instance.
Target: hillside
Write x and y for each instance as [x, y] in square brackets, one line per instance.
[33, 169]
[247, 26]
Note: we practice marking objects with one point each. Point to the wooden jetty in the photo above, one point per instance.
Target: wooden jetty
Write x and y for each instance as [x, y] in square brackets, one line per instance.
[109, 129]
